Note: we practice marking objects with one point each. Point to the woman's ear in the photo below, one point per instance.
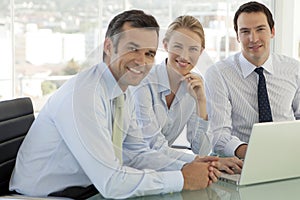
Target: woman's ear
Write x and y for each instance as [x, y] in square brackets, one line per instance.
[201, 51]
[165, 43]
[107, 48]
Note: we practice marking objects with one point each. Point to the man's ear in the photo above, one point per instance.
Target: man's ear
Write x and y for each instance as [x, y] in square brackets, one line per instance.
[272, 32]
[238, 38]
[107, 48]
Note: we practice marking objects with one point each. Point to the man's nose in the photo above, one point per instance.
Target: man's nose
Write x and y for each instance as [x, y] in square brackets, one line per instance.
[140, 59]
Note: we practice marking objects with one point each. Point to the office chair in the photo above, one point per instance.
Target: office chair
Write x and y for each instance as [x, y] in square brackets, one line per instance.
[16, 117]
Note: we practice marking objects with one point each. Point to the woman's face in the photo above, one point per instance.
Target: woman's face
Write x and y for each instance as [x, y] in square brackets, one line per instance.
[184, 48]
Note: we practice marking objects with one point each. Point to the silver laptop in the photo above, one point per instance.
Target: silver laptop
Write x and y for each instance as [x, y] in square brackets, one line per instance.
[276, 190]
[272, 154]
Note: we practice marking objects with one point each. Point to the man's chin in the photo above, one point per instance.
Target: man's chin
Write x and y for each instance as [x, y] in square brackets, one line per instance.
[135, 80]
[135, 83]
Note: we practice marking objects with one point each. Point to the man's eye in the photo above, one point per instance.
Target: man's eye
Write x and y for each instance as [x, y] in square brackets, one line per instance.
[260, 29]
[150, 54]
[132, 49]
[244, 32]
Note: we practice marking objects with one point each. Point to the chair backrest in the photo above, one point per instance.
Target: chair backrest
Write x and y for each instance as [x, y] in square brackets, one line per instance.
[16, 117]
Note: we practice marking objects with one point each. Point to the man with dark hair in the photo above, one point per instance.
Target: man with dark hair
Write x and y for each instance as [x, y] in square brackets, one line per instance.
[76, 147]
[251, 86]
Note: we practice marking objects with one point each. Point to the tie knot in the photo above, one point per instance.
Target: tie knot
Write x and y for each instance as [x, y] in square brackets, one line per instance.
[120, 101]
[259, 70]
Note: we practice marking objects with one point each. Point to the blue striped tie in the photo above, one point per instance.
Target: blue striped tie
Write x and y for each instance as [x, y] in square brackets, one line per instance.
[264, 108]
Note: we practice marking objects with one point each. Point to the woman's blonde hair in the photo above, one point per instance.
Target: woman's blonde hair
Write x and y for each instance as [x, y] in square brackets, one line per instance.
[188, 22]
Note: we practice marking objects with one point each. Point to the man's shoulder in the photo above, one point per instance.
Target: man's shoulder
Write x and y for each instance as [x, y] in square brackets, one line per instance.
[280, 58]
[285, 64]
[224, 65]
[157, 76]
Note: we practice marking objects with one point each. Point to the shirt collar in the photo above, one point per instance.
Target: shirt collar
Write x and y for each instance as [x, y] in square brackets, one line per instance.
[163, 82]
[248, 67]
[113, 89]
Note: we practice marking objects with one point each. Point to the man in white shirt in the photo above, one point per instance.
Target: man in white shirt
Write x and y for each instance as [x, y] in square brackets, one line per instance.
[232, 84]
[69, 146]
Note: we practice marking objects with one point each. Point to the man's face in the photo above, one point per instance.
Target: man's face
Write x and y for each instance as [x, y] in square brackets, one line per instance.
[132, 58]
[255, 35]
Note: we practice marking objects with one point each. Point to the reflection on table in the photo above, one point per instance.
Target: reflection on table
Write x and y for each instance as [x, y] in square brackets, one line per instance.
[279, 190]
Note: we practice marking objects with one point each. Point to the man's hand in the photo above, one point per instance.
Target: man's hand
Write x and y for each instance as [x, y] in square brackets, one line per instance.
[200, 173]
[196, 175]
[213, 161]
[206, 158]
[231, 165]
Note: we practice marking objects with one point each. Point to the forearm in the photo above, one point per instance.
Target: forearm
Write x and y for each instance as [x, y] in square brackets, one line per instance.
[129, 182]
[201, 109]
[240, 152]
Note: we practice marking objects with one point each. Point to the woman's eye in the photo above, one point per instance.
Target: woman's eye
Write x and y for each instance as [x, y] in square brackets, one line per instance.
[194, 49]
[177, 46]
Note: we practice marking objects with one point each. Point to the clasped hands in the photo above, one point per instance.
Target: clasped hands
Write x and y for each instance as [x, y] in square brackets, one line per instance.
[204, 171]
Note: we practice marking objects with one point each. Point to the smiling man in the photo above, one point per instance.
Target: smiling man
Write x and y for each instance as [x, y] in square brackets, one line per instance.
[233, 86]
[70, 150]
[134, 57]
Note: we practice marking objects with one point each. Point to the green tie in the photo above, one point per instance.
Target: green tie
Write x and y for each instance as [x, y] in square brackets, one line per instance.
[117, 136]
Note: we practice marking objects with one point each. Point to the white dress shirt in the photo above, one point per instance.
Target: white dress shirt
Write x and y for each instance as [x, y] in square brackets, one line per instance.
[231, 87]
[162, 125]
[69, 144]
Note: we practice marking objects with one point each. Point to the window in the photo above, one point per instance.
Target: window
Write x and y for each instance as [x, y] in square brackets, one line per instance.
[44, 43]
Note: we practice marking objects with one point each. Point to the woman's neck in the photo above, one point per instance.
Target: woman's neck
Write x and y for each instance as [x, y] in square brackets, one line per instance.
[174, 79]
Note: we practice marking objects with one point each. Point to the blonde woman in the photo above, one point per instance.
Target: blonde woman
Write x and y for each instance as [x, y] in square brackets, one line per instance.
[172, 97]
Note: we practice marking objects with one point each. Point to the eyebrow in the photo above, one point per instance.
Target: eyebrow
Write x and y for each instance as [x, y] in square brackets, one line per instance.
[138, 47]
[260, 26]
[134, 44]
[178, 43]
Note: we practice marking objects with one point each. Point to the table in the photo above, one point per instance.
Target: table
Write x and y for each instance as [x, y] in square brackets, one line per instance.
[279, 190]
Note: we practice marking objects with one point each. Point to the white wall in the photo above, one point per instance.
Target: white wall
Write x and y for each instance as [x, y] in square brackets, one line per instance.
[297, 29]
[287, 30]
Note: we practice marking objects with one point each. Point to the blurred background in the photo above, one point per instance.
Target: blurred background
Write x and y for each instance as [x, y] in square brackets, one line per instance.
[43, 43]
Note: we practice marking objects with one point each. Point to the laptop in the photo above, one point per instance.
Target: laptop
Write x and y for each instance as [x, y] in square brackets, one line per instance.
[272, 154]
[276, 190]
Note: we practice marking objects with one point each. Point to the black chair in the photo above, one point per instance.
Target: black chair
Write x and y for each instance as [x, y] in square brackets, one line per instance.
[16, 117]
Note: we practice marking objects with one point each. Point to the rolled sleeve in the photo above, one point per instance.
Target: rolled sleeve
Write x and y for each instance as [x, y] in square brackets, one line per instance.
[197, 135]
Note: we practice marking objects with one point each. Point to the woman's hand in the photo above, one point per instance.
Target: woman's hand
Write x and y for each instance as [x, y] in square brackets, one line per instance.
[195, 86]
[196, 90]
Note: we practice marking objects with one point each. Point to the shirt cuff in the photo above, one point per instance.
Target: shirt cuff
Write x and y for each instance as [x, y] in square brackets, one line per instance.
[204, 123]
[231, 146]
[187, 157]
[173, 181]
